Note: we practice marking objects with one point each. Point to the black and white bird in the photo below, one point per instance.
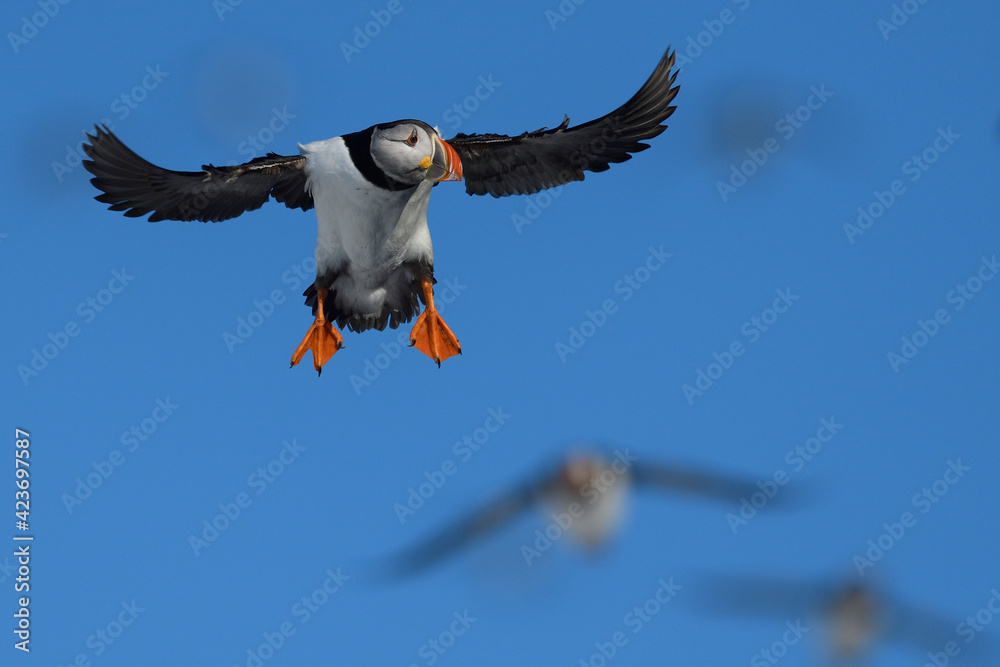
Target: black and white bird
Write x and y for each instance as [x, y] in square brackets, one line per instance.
[370, 189]
[587, 492]
[855, 617]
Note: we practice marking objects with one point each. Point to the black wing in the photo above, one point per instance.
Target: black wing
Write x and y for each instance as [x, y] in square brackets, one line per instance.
[710, 485]
[471, 528]
[930, 631]
[522, 165]
[766, 595]
[138, 187]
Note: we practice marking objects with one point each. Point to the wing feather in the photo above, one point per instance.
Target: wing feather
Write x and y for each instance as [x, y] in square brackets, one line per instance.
[137, 187]
[500, 165]
[471, 528]
[710, 485]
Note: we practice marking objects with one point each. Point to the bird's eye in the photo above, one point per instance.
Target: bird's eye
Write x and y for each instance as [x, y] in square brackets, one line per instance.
[412, 139]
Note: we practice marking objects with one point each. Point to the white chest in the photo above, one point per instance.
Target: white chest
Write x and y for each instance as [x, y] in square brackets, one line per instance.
[369, 228]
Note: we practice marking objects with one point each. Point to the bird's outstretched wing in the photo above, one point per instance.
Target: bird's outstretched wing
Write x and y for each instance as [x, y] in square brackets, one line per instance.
[137, 187]
[522, 165]
[471, 528]
[766, 595]
[710, 485]
[931, 631]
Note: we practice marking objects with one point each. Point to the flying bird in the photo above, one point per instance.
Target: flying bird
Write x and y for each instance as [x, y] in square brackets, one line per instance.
[856, 617]
[370, 189]
[587, 492]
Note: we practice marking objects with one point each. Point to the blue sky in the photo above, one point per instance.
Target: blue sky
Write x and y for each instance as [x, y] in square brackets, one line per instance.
[790, 118]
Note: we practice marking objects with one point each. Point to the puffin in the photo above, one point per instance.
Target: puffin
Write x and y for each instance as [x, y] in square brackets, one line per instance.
[370, 190]
[585, 494]
[856, 617]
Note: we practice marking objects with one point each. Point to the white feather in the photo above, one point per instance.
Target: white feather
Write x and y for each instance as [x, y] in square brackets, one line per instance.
[368, 230]
[601, 509]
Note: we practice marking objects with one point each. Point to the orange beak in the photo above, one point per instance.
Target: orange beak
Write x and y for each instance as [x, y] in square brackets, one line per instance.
[446, 165]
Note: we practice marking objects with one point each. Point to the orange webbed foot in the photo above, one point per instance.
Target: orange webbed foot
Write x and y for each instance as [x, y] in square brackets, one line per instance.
[322, 338]
[432, 336]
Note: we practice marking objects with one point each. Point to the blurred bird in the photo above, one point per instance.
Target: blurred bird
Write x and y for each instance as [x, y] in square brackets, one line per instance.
[856, 617]
[374, 259]
[586, 495]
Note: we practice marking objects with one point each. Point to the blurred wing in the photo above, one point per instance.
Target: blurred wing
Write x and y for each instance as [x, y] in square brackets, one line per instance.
[502, 165]
[137, 187]
[470, 529]
[718, 487]
[930, 632]
[771, 596]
